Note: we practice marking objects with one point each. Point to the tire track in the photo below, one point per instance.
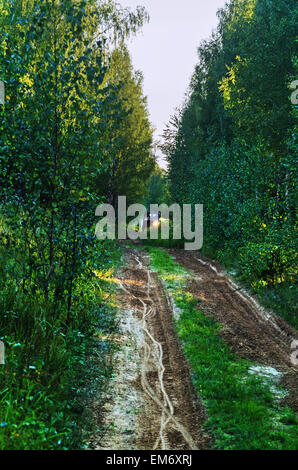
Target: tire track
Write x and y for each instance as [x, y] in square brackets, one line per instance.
[154, 354]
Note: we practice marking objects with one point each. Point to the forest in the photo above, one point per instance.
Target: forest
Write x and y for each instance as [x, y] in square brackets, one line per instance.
[233, 146]
[75, 132]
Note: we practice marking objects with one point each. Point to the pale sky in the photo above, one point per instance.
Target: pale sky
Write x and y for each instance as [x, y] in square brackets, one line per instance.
[166, 51]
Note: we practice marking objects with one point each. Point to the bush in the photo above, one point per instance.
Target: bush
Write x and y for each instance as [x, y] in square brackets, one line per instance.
[266, 263]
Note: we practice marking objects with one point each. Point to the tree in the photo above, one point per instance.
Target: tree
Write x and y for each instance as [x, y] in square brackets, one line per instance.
[231, 145]
[158, 191]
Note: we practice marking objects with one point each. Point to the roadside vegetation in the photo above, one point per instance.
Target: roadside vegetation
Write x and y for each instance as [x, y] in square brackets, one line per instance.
[72, 103]
[75, 133]
[233, 147]
[243, 409]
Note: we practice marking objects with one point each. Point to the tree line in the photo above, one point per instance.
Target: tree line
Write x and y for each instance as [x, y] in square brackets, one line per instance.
[233, 144]
[74, 132]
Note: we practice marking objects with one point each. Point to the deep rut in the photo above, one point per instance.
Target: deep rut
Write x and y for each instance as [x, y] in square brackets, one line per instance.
[251, 332]
[170, 415]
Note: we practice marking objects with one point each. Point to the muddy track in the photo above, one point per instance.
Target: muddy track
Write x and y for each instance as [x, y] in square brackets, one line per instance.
[152, 403]
[251, 332]
[170, 415]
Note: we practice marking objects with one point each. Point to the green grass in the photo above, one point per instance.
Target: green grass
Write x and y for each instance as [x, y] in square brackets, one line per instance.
[281, 298]
[164, 264]
[168, 243]
[242, 411]
[49, 370]
[164, 243]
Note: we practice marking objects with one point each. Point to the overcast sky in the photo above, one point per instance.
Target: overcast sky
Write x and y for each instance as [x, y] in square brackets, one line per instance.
[166, 50]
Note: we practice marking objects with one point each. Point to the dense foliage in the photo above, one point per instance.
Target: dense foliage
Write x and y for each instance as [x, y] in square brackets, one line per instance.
[158, 191]
[233, 146]
[61, 130]
[132, 161]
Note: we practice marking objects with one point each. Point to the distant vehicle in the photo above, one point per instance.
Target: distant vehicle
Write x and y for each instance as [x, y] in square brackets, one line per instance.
[151, 220]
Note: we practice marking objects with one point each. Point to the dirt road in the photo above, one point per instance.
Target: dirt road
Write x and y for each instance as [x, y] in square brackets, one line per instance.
[250, 331]
[152, 403]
